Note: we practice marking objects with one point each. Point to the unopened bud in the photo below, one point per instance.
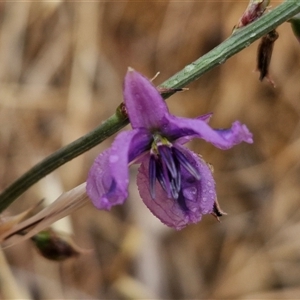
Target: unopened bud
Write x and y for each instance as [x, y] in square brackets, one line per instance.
[254, 10]
[121, 111]
[55, 246]
[264, 55]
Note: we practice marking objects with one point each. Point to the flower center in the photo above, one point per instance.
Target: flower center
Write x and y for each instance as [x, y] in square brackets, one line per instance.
[166, 165]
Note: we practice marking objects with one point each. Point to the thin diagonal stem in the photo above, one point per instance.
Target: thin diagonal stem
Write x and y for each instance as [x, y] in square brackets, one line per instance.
[235, 43]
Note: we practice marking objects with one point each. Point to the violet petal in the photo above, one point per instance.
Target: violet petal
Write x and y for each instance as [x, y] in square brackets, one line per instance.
[222, 138]
[185, 139]
[152, 175]
[145, 106]
[99, 183]
[108, 177]
[198, 195]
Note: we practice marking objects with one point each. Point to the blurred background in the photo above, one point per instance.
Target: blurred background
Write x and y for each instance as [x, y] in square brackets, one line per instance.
[62, 66]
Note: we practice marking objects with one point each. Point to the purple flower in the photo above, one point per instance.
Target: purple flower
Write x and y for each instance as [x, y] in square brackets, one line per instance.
[175, 183]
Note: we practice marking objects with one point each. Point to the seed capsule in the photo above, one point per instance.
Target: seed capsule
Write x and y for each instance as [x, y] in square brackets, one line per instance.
[264, 55]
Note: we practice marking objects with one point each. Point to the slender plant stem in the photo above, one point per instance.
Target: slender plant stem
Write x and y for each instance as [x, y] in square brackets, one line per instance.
[241, 39]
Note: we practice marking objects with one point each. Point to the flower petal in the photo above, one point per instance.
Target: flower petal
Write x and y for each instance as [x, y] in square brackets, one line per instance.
[99, 182]
[196, 199]
[222, 138]
[206, 118]
[108, 178]
[185, 139]
[145, 106]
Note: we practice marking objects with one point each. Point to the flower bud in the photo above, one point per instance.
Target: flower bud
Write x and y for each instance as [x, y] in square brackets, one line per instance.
[254, 10]
[55, 246]
[264, 55]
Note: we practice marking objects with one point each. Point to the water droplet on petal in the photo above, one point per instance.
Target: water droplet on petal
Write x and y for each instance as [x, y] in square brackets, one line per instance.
[193, 190]
[104, 201]
[190, 193]
[113, 158]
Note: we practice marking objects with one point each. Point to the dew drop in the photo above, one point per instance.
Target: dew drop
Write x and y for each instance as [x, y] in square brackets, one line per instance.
[104, 202]
[190, 193]
[113, 158]
[193, 190]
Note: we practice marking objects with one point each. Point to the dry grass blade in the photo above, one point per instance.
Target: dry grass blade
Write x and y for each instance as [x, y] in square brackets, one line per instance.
[61, 207]
[10, 289]
[7, 223]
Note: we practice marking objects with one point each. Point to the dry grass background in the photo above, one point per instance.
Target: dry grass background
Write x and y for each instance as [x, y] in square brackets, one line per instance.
[62, 65]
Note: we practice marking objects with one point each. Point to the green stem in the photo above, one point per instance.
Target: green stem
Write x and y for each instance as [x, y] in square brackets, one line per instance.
[241, 39]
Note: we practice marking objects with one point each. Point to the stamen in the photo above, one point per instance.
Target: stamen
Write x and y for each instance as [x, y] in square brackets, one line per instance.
[165, 166]
[181, 202]
[177, 180]
[167, 157]
[174, 190]
[185, 163]
[162, 177]
[152, 175]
